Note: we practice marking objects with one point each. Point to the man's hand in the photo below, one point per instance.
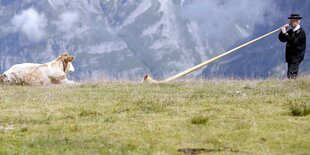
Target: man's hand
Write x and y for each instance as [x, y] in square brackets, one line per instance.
[284, 28]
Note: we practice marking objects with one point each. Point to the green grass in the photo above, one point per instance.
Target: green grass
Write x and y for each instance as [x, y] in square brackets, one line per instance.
[218, 117]
[300, 110]
[199, 120]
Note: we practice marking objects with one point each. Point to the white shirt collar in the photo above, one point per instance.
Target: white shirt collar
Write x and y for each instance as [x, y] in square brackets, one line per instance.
[296, 28]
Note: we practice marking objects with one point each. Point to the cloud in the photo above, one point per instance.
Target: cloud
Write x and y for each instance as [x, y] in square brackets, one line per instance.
[30, 23]
[222, 18]
[68, 21]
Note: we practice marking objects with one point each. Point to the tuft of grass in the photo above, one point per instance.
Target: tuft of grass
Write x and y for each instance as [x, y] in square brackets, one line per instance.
[300, 110]
[87, 113]
[199, 120]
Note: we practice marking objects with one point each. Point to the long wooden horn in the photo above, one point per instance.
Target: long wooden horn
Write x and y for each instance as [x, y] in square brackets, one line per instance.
[148, 79]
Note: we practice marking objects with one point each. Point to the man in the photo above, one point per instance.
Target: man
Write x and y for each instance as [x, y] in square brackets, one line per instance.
[295, 39]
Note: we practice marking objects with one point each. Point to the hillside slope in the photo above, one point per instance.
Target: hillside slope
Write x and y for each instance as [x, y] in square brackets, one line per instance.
[245, 117]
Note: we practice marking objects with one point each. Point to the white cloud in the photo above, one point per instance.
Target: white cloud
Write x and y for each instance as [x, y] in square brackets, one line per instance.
[218, 18]
[68, 21]
[30, 23]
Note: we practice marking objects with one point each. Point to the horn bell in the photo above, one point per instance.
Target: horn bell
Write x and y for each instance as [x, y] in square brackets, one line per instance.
[148, 79]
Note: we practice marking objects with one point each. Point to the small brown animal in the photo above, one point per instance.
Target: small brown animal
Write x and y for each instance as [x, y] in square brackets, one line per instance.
[53, 72]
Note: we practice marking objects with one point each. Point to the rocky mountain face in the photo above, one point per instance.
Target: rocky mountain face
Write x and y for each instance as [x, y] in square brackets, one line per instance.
[125, 39]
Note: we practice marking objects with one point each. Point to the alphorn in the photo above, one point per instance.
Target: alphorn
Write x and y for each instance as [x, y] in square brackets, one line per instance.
[148, 79]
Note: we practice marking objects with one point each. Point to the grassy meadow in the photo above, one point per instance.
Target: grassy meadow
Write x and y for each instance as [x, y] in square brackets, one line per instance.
[185, 117]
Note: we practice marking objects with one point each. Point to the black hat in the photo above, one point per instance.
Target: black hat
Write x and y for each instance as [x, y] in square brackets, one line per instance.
[295, 16]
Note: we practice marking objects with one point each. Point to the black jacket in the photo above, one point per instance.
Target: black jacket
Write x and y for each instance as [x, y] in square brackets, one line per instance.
[295, 45]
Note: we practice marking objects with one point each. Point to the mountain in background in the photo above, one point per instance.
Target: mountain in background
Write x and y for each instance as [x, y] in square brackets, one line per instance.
[125, 39]
[265, 58]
